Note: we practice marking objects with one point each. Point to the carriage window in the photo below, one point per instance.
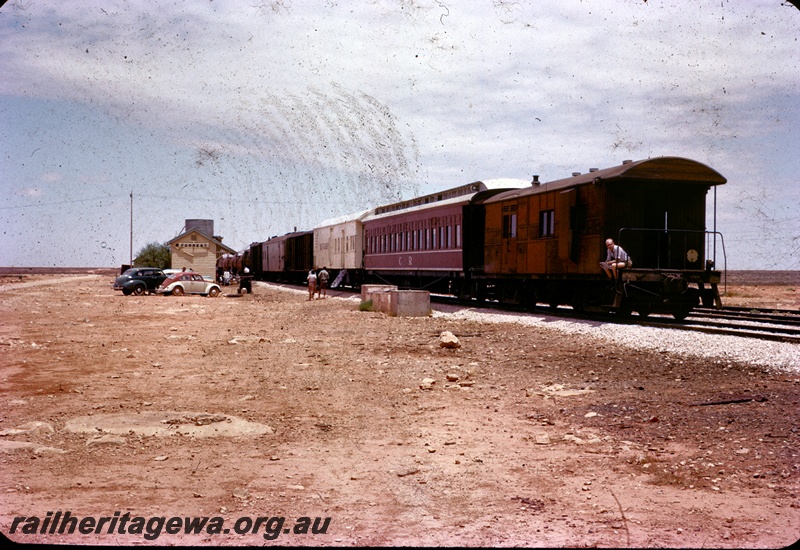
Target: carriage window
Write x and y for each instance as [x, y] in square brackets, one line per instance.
[458, 235]
[509, 226]
[547, 219]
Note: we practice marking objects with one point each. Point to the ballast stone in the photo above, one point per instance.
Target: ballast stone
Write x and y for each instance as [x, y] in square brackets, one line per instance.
[449, 340]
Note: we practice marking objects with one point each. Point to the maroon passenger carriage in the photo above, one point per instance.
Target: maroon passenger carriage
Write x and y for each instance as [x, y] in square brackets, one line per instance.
[419, 243]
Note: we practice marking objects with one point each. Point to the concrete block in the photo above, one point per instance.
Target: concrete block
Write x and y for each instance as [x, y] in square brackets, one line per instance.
[409, 303]
[367, 289]
[381, 300]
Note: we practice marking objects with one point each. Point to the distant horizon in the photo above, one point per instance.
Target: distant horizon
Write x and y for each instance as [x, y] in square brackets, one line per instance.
[6, 270]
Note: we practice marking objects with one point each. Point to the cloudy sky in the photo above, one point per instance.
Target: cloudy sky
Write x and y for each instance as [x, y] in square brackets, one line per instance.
[270, 115]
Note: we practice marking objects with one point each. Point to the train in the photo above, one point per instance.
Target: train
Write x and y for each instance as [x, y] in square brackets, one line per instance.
[526, 242]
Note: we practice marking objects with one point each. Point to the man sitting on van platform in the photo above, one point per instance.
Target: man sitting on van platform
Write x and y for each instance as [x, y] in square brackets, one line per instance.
[616, 258]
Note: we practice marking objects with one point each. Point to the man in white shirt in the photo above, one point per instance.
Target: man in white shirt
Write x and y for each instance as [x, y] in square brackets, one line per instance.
[616, 258]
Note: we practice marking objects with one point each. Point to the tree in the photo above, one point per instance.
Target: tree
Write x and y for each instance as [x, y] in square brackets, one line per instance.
[154, 255]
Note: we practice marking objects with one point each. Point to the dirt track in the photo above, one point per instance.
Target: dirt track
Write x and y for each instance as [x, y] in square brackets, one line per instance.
[269, 405]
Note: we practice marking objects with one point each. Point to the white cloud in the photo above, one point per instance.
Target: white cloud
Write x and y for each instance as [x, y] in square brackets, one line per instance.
[52, 177]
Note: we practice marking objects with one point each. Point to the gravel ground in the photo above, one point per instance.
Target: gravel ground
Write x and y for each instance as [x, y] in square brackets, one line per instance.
[780, 356]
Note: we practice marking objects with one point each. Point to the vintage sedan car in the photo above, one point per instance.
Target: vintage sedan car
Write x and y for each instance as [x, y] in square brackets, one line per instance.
[188, 283]
[139, 280]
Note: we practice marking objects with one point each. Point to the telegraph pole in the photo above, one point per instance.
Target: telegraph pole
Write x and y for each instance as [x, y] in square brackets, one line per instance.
[131, 251]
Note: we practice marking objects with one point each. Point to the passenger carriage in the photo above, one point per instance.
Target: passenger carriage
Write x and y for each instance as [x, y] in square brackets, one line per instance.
[420, 243]
[544, 243]
[339, 246]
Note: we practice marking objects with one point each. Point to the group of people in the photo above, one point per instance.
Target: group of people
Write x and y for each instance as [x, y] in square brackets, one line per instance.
[317, 283]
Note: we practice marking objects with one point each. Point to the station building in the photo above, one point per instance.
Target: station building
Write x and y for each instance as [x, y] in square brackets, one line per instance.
[197, 248]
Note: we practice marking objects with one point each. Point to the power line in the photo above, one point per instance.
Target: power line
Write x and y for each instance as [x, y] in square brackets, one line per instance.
[71, 201]
[239, 201]
[178, 198]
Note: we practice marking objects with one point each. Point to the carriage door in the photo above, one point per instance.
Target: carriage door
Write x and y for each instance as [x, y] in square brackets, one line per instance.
[335, 253]
[508, 248]
[565, 214]
[677, 220]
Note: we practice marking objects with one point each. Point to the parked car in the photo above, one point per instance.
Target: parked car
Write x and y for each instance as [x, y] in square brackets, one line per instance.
[188, 282]
[139, 280]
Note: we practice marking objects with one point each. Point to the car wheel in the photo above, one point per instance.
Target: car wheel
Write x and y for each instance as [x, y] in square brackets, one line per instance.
[139, 290]
[177, 291]
[127, 292]
[214, 292]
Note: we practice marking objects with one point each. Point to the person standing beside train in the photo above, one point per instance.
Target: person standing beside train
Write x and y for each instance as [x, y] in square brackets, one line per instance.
[616, 258]
[312, 284]
[322, 282]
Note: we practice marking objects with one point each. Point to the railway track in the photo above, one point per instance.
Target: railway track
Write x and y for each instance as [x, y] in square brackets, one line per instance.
[749, 323]
[763, 324]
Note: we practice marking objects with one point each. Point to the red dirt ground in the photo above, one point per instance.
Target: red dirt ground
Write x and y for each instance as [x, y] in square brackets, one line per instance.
[267, 405]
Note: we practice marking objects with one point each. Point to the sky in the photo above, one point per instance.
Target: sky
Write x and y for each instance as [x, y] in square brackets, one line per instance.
[121, 119]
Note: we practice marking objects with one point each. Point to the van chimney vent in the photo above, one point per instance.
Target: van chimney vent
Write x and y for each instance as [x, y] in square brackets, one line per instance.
[593, 169]
[627, 161]
[535, 181]
[576, 174]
